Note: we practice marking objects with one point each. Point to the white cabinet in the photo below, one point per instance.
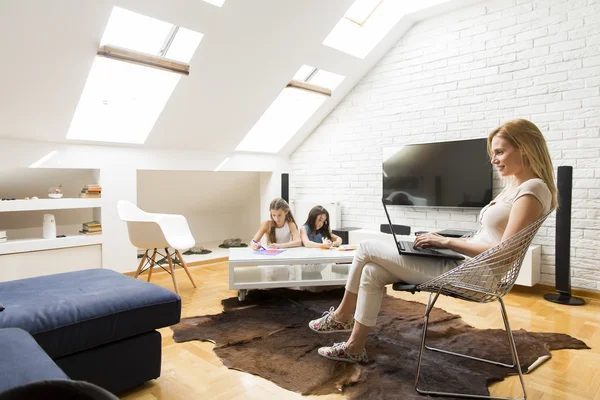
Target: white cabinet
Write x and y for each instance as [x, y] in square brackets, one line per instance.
[528, 276]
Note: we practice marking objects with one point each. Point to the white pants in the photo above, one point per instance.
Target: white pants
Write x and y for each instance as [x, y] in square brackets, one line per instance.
[376, 264]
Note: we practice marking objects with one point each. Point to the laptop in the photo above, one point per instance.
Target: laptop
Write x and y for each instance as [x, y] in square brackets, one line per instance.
[406, 247]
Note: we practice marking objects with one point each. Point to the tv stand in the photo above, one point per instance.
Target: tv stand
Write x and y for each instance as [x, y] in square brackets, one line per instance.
[454, 233]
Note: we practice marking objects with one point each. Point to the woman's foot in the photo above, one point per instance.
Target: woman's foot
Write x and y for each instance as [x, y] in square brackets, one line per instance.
[338, 352]
[328, 324]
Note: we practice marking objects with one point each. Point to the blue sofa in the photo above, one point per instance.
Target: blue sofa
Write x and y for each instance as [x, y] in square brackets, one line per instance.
[97, 326]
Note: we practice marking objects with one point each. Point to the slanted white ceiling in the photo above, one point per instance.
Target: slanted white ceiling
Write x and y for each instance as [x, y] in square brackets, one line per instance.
[250, 50]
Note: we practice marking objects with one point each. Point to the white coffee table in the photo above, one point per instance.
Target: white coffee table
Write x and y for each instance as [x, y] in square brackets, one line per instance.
[293, 267]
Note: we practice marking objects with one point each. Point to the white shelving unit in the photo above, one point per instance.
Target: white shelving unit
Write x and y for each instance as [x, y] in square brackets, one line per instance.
[48, 204]
[27, 245]
[26, 254]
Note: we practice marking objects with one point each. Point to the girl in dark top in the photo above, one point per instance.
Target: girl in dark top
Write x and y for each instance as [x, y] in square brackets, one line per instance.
[316, 232]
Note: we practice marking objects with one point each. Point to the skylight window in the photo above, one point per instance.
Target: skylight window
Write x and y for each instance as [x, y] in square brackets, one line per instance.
[121, 101]
[306, 92]
[218, 3]
[361, 10]
[368, 21]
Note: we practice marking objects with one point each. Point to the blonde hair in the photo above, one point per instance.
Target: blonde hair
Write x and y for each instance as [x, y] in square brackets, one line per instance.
[527, 137]
[279, 204]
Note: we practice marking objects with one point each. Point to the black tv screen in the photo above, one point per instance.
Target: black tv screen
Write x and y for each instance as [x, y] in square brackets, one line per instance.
[441, 174]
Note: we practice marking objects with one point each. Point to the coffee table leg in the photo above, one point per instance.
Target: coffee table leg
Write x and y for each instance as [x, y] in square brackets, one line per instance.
[242, 294]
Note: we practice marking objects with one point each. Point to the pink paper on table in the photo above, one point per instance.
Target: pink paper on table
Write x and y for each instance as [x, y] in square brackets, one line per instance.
[268, 252]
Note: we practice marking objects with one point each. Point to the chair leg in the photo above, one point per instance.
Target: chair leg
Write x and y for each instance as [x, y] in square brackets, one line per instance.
[424, 336]
[184, 265]
[512, 346]
[152, 263]
[172, 269]
[139, 269]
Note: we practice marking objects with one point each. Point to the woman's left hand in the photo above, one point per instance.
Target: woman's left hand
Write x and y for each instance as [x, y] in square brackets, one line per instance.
[273, 245]
[431, 239]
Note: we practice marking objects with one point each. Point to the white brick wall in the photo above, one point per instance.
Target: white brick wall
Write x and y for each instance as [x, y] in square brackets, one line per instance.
[460, 76]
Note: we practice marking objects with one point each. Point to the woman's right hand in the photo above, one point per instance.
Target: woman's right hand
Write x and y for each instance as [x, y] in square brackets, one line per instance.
[255, 245]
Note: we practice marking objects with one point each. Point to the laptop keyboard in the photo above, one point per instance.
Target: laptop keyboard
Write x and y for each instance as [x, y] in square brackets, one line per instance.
[408, 246]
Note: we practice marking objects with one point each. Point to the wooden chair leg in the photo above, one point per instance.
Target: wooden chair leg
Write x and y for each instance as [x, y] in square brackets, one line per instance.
[152, 260]
[172, 269]
[139, 269]
[184, 265]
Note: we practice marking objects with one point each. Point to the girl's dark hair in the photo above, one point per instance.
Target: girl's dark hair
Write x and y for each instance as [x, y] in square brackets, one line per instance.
[279, 204]
[312, 222]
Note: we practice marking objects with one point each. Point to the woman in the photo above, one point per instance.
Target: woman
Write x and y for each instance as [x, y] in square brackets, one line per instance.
[518, 151]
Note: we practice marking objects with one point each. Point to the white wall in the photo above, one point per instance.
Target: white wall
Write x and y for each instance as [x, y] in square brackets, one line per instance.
[217, 205]
[460, 76]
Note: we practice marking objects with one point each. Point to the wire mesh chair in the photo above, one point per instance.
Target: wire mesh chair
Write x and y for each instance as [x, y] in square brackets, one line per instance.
[482, 279]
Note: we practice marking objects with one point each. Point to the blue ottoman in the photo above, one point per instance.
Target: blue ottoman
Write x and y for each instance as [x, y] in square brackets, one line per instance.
[98, 325]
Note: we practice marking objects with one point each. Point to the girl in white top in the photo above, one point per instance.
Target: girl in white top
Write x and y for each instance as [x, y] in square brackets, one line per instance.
[519, 152]
[281, 229]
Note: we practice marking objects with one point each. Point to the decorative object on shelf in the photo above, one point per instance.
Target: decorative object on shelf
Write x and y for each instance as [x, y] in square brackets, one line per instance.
[3, 237]
[8, 198]
[55, 192]
[49, 228]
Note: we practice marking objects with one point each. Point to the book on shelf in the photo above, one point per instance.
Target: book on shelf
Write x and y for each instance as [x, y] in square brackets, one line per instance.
[92, 229]
[92, 223]
[91, 192]
[83, 195]
[93, 187]
[87, 233]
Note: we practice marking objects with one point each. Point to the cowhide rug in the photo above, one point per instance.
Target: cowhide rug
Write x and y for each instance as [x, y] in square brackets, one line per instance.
[267, 335]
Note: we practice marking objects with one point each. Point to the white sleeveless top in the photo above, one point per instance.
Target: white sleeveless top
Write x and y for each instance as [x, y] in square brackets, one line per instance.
[283, 234]
[494, 217]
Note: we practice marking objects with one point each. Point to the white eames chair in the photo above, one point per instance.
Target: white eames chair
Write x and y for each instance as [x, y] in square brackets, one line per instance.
[157, 231]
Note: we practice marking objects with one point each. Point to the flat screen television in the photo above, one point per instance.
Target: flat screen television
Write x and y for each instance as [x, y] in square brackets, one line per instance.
[441, 174]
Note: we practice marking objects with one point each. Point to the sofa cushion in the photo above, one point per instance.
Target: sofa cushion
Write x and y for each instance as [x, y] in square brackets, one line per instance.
[76, 311]
[23, 361]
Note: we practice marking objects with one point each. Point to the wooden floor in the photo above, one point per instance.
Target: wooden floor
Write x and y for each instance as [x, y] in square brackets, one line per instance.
[192, 371]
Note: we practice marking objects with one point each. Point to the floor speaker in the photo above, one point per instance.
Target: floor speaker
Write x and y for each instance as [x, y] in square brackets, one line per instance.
[285, 187]
[563, 241]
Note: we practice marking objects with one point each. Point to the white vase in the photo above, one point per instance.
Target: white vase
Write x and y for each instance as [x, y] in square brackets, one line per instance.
[49, 228]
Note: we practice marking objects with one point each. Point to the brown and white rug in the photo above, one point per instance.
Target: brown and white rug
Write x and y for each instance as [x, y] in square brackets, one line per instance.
[267, 335]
